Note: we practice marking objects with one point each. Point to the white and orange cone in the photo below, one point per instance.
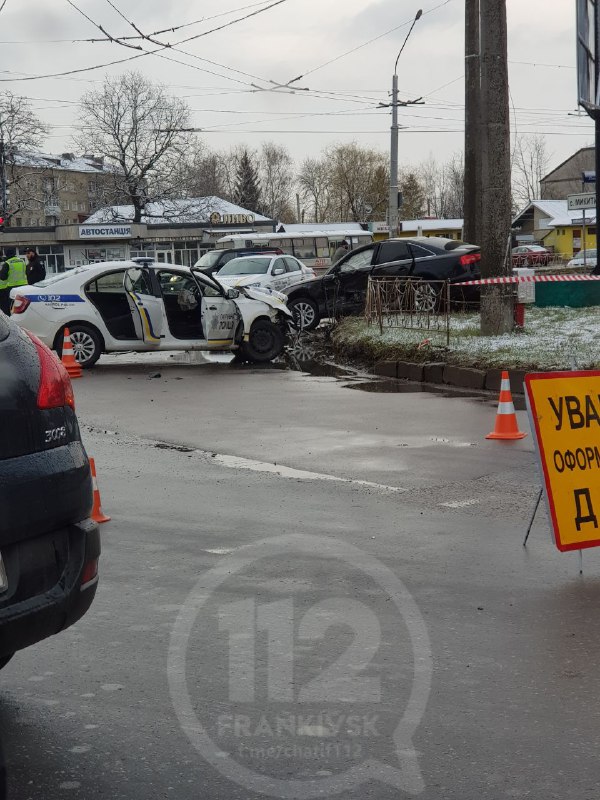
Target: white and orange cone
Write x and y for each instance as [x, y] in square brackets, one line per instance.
[71, 364]
[506, 419]
[97, 514]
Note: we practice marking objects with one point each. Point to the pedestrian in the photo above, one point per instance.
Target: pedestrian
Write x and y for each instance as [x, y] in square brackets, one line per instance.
[341, 251]
[36, 271]
[12, 273]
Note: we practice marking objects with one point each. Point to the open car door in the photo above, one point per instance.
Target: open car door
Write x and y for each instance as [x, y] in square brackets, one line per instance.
[146, 309]
[220, 315]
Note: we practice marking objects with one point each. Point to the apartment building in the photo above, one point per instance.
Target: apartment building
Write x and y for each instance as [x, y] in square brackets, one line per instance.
[49, 190]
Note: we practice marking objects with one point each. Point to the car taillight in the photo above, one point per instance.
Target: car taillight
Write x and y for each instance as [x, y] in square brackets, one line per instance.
[90, 574]
[472, 258]
[55, 389]
[20, 303]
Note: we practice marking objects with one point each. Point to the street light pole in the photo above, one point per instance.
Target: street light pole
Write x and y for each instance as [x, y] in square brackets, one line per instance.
[393, 199]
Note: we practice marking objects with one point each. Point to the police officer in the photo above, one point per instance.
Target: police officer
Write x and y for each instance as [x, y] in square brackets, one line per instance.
[12, 273]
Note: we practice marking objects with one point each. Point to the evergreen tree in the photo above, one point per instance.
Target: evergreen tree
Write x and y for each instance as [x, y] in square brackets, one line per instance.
[413, 197]
[247, 184]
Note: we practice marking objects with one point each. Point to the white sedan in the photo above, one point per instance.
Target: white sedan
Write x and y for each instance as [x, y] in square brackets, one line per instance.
[584, 258]
[142, 306]
[269, 271]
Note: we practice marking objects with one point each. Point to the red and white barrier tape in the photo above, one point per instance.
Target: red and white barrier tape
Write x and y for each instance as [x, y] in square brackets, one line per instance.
[530, 279]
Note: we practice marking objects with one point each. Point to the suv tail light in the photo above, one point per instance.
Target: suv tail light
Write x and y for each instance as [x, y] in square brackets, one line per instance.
[55, 389]
[472, 258]
[20, 303]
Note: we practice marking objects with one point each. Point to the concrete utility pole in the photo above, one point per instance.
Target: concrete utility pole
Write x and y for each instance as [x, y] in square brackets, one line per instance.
[393, 199]
[496, 302]
[472, 179]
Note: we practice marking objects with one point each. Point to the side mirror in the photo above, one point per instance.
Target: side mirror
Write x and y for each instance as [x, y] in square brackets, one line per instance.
[278, 271]
[232, 294]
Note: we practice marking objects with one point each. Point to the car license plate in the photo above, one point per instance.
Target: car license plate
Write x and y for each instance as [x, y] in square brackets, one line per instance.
[3, 578]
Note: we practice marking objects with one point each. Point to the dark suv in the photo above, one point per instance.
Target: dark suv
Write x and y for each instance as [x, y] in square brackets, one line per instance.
[342, 289]
[212, 261]
[49, 546]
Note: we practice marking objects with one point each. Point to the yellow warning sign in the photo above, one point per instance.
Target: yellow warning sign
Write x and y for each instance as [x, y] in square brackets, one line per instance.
[564, 409]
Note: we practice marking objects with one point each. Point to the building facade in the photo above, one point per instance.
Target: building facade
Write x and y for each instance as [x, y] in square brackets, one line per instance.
[566, 179]
[50, 190]
[177, 233]
[551, 224]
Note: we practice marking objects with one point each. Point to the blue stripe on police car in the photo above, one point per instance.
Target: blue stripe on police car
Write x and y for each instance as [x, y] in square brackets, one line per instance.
[55, 298]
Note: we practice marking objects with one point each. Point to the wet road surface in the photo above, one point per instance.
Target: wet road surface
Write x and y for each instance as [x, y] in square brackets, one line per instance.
[204, 666]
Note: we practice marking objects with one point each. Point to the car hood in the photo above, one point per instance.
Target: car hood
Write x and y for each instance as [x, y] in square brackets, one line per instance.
[276, 300]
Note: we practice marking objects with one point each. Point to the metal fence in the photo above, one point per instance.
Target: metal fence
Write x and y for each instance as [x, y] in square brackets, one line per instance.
[409, 303]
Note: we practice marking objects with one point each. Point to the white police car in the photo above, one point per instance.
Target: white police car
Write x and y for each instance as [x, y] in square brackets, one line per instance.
[276, 271]
[139, 305]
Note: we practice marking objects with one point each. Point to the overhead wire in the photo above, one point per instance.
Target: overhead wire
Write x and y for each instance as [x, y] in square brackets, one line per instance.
[146, 52]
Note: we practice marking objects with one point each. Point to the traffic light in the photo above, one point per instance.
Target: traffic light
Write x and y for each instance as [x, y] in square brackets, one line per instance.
[1, 224]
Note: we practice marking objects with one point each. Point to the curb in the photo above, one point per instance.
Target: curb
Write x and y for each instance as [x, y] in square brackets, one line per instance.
[442, 373]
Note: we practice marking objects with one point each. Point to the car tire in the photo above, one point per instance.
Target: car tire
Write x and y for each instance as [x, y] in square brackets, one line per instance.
[265, 342]
[87, 344]
[305, 312]
[4, 660]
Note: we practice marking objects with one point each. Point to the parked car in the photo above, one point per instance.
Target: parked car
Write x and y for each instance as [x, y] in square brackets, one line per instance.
[49, 546]
[273, 272]
[531, 255]
[584, 258]
[212, 261]
[120, 306]
[342, 289]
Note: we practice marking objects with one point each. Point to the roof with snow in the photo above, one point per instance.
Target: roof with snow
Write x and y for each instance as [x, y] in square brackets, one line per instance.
[316, 227]
[65, 161]
[193, 210]
[431, 224]
[556, 214]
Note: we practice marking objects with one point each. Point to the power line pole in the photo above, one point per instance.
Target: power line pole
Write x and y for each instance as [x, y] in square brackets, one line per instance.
[393, 198]
[496, 301]
[472, 178]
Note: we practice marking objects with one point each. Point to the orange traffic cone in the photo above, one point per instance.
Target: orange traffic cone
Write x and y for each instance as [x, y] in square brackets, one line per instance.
[506, 419]
[68, 357]
[97, 514]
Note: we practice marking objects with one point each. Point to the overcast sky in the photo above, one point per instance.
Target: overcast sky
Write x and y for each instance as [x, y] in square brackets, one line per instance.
[298, 37]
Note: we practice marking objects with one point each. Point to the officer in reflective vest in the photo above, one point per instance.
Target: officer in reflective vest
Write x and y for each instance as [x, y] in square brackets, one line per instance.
[12, 273]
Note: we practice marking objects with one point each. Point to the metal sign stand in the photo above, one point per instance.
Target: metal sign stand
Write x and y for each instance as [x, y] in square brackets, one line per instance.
[537, 505]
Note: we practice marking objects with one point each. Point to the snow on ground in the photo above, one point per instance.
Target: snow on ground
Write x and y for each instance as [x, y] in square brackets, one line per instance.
[554, 338]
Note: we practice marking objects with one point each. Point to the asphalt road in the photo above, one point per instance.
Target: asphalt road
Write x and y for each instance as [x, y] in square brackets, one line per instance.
[392, 636]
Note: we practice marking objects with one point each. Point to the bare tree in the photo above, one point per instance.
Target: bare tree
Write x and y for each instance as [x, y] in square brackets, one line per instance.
[276, 179]
[443, 187]
[203, 173]
[141, 131]
[359, 182]
[530, 164]
[21, 132]
[314, 184]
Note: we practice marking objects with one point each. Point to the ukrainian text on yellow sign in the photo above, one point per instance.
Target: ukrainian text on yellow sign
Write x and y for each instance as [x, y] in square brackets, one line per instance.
[565, 415]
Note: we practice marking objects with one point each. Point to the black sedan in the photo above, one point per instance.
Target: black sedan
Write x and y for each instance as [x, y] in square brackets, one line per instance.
[49, 546]
[342, 289]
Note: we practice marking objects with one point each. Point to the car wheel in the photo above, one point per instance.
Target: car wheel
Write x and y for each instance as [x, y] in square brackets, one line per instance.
[305, 313]
[426, 297]
[265, 342]
[4, 660]
[86, 341]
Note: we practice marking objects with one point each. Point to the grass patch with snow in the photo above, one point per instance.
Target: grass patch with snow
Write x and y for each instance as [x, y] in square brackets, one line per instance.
[554, 338]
